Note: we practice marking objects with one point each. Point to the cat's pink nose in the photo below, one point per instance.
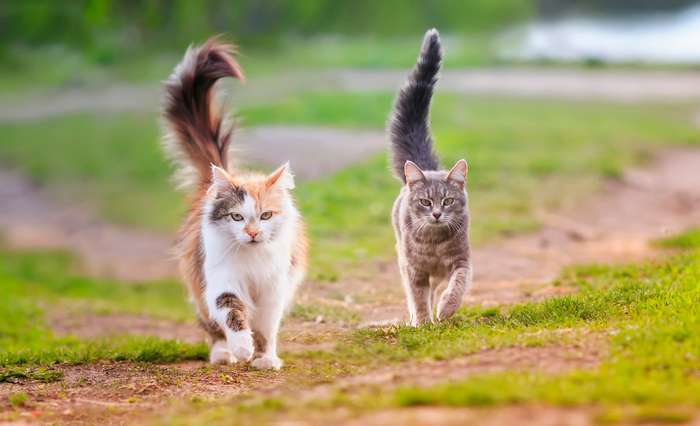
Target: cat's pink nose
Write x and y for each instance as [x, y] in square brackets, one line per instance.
[252, 234]
[437, 215]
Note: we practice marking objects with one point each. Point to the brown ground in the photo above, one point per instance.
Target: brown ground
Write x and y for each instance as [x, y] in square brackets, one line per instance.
[615, 225]
[521, 415]
[104, 248]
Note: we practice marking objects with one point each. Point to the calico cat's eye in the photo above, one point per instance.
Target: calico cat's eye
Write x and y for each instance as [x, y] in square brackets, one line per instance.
[266, 215]
[425, 202]
[237, 217]
[447, 201]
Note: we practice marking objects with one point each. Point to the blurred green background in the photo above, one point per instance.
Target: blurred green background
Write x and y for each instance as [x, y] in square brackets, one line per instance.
[79, 87]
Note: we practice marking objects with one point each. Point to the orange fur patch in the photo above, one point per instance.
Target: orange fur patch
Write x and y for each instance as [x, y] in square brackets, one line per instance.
[257, 186]
[190, 252]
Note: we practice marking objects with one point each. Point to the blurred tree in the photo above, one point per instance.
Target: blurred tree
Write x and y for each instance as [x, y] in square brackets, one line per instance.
[100, 24]
[549, 8]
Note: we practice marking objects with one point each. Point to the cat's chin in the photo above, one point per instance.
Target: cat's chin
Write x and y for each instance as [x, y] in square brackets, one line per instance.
[255, 243]
[438, 224]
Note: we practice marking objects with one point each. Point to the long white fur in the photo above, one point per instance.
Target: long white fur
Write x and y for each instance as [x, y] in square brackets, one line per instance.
[258, 274]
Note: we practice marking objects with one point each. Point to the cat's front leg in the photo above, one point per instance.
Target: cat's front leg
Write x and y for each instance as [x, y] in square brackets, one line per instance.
[417, 288]
[229, 312]
[266, 325]
[452, 296]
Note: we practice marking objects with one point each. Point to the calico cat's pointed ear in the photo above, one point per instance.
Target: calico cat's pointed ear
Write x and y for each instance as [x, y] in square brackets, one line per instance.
[458, 173]
[412, 172]
[220, 177]
[282, 178]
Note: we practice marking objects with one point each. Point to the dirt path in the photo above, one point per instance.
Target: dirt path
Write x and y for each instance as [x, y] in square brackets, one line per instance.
[615, 226]
[32, 218]
[311, 151]
[613, 85]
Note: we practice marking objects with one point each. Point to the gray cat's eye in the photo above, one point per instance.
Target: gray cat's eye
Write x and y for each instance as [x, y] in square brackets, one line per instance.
[425, 202]
[266, 215]
[447, 201]
[237, 217]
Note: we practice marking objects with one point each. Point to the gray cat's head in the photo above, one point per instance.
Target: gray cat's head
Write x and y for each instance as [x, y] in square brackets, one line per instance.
[437, 198]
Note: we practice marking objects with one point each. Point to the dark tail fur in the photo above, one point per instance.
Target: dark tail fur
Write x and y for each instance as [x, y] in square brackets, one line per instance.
[198, 136]
[409, 126]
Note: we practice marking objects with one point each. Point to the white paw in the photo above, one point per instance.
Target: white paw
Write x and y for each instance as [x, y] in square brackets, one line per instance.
[267, 362]
[219, 353]
[241, 345]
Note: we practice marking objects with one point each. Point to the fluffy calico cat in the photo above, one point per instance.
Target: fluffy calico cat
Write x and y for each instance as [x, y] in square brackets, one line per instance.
[430, 215]
[242, 248]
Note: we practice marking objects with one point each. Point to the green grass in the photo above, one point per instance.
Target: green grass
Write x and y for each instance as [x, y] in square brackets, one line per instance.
[44, 375]
[40, 282]
[645, 314]
[686, 240]
[18, 399]
[53, 278]
[337, 314]
[523, 155]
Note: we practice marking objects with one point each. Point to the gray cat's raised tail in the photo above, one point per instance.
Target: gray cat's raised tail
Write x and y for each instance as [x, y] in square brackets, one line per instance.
[409, 127]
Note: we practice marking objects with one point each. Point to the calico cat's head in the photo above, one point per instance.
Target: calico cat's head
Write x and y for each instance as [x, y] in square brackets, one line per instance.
[437, 198]
[250, 208]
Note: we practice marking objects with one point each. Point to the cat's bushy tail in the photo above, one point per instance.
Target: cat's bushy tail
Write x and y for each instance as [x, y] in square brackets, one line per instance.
[409, 126]
[197, 132]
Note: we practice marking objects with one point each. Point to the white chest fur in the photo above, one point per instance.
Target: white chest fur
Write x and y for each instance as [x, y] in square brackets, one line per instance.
[253, 272]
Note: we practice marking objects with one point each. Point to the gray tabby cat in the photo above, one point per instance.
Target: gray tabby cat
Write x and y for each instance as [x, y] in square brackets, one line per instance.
[430, 215]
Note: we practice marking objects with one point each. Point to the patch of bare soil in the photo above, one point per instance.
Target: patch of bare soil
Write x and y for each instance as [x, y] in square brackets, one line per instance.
[510, 415]
[312, 152]
[115, 393]
[296, 336]
[106, 325]
[616, 226]
[546, 359]
[525, 415]
[31, 218]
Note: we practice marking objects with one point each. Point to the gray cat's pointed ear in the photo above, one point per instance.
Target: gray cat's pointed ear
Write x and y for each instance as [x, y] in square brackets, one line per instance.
[458, 173]
[412, 172]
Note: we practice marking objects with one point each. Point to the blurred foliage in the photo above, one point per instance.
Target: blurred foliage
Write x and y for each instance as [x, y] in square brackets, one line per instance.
[549, 8]
[103, 27]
